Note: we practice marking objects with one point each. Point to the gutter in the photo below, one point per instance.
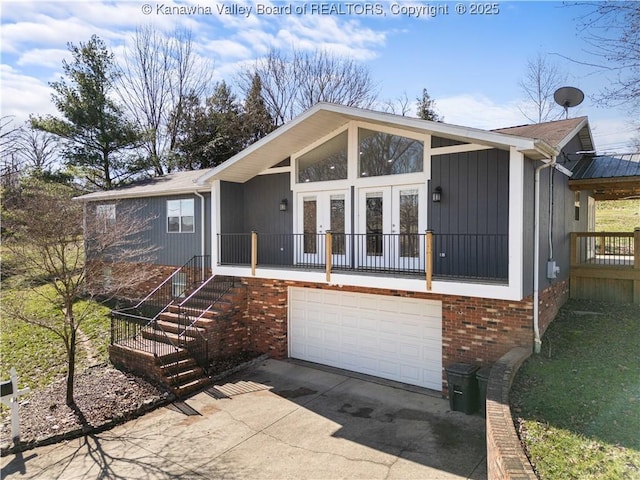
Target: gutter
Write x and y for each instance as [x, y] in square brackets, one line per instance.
[537, 342]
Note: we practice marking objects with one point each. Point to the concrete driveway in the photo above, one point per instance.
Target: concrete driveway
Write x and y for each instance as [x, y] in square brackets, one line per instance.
[278, 420]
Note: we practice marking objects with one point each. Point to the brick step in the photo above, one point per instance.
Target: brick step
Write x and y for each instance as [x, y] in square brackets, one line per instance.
[206, 321]
[184, 376]
[173, 327]
[167, 337]
[172, 367]
[192, 387]
[204, 303]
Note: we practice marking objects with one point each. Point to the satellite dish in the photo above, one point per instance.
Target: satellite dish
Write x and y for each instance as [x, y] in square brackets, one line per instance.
[568, 97]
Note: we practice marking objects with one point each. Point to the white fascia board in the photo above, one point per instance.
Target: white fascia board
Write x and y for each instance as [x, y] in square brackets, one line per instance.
[113, 195]
[474, 135]
[574, 132]
[257, 145]
[449, 287]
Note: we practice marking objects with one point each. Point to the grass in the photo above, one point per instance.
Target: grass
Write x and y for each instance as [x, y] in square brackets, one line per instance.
[578, 402]
[38, 354]
[617, 215]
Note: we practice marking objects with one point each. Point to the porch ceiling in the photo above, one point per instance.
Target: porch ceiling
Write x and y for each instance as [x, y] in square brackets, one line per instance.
[618, 188]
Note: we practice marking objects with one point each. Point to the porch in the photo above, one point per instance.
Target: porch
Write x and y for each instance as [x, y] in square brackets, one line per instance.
[606, 266]
[474, 257]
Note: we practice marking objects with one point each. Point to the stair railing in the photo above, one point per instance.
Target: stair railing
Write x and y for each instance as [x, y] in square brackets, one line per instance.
[190, 329]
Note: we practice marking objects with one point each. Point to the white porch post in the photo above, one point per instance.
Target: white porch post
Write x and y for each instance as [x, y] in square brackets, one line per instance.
[516, 210]
[215, 223]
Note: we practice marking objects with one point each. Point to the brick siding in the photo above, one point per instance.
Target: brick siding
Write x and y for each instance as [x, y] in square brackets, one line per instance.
[474, 330]
[505, 457]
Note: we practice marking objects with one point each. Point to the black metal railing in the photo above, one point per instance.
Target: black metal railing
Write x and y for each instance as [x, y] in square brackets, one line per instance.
[472, 256]
[128, 324]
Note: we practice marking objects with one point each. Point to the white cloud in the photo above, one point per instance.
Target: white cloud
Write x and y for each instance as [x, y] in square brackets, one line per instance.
[478, 111]
[227, 49]
[49, 58]
[23, 95]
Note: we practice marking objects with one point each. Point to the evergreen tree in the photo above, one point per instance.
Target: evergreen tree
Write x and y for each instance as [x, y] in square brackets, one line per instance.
[97, 138]
[427, 108]
[211, 133]
[257, 121]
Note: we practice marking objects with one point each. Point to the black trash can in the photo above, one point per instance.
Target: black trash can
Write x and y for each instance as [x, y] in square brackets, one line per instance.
[482, 376]
[463, 387]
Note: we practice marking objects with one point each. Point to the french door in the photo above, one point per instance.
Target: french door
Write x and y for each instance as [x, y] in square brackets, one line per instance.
[318, 212]
[391, 220]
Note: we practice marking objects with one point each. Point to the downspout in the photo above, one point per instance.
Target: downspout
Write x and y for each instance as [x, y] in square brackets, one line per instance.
[537, 342]
[202, 230]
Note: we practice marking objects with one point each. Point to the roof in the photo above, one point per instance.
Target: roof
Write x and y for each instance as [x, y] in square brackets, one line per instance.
[325, 118]
[610, 177]
[171, 184]
[556, 133]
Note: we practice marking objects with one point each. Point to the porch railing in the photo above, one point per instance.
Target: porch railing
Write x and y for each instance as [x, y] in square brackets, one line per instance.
[470, 256]
[606, 266]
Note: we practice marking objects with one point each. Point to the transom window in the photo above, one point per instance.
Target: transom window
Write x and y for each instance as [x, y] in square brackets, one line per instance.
[388, 154]
[325, 162]
[180, 216]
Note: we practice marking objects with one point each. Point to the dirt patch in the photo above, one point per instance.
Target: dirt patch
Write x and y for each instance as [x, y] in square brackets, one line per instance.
[104, 397]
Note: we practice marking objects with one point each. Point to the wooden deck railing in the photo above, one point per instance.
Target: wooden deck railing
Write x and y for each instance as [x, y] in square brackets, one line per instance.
[606, 266]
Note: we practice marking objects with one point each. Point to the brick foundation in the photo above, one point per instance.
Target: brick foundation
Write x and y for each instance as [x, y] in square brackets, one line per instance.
[474, 330]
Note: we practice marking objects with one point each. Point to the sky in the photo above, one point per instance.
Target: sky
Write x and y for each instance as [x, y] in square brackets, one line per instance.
[469, 56]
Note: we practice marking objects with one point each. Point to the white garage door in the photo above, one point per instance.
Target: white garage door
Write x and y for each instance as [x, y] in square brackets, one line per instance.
[390, 337]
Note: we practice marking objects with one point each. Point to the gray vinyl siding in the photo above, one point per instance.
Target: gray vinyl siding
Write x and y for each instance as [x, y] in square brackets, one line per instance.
[255, 205]
[444, 142]
[475, 199]
[564, 222]
[173, 249]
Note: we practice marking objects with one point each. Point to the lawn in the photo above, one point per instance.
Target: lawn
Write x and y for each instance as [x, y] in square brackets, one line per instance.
[617, 215]
[39, 355]
[577, 404]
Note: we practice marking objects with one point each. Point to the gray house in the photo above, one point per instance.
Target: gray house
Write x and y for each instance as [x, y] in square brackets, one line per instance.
[377, 243]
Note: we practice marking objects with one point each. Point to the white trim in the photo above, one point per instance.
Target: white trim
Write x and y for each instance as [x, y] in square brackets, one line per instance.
[564, 170]
[275, 170]
[469, 147]
[465, 289]
[215, 222]
[516, 221]
[534, 147]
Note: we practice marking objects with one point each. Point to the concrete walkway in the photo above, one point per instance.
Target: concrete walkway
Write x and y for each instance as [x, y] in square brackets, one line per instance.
[278, 420]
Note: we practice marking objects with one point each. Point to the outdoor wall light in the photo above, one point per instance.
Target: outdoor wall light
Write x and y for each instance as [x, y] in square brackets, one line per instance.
[437, 194]
[283, 205]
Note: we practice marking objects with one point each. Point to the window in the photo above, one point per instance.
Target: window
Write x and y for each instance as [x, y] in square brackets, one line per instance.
[105, 216]
[325, 162]
[180, 216]
[387, 154]
[576, 206]
[179, 285]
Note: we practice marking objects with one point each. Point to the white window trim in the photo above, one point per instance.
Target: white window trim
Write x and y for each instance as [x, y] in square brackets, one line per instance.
[166, 224]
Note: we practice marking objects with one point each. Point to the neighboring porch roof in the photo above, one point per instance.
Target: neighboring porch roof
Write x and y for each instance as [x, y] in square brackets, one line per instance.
[610, 177]
[324, 118]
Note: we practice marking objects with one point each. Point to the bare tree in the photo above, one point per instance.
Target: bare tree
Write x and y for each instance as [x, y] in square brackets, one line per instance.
[612, 31]
[293, 83]
[10, 162]
[158, 73]
[400, 106]
[48, 245]
[542, 78]
[39, 150]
